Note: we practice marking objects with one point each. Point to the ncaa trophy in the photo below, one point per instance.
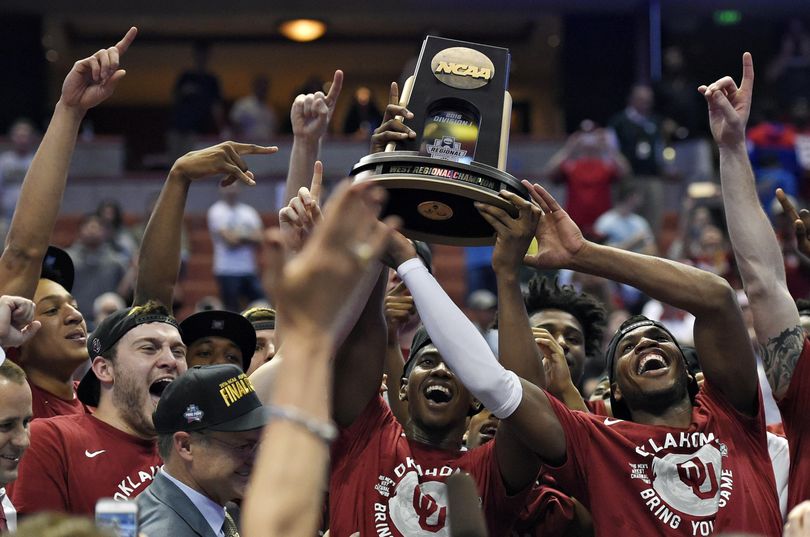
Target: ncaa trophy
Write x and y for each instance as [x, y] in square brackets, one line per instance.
[462, 110]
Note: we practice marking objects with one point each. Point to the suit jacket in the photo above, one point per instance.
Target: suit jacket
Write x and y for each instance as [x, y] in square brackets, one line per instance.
[163, 510]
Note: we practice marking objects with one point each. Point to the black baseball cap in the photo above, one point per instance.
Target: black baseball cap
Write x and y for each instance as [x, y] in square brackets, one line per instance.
[214, 397]
[220, 323]
[58, 266]
[421, 339]
[107, 334]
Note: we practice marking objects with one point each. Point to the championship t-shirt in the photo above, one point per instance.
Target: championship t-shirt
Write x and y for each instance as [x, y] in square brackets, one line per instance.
[547, 512]
[383, 484]
[47, 405]
[795, 406]
[711, 477]
[75, 460]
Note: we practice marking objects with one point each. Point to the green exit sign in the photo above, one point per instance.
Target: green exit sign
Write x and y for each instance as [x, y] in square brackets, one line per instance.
[727, 17]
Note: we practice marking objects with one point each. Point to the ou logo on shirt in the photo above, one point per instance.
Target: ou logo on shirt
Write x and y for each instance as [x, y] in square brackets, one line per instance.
[419, 509]
[689, 482]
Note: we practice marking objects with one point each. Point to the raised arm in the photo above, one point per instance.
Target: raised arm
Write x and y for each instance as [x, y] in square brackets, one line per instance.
[523, 408]
[310, 116]
[90, 82]
[759, 258]
[159, 257]
[721, 339]
[313, 291]
[516, 346]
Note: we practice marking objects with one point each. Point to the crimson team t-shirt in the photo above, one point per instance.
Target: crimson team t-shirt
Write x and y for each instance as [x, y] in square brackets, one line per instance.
[636, 479]
[794, 407]
[382, 483]
[75, 460]
[47, 405]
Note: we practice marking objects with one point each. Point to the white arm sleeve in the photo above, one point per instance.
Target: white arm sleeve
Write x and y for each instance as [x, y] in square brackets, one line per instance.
[461, 345]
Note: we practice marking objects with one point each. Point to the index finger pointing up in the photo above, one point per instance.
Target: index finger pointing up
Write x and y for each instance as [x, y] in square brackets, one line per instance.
[748, 72]
[317, 180]
[334, 89]
[127, 40]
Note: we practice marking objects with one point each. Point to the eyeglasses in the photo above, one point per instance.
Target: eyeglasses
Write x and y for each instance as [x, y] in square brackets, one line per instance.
[243, 450]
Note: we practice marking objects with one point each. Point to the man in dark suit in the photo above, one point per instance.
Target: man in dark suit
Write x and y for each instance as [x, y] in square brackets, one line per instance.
[209, 424]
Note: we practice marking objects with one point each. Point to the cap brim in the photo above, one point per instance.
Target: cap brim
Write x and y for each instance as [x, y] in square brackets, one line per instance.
[58, 267]
[239, 330]
[255, 419]
[89, 389]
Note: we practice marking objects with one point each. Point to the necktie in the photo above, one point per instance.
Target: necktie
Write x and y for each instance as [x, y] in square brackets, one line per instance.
[229, 527]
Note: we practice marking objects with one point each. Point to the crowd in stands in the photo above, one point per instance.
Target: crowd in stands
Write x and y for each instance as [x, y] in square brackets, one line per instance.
[629, 387]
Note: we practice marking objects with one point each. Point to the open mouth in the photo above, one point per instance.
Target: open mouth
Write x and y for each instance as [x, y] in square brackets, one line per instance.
[157, 388]
[10, 458]
[77, 335]
[650, 364]
[438, 394]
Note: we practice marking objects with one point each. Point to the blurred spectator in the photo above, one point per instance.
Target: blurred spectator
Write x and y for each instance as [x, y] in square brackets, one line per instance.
[770, 175]
[692, 221]
[60, 525]
[713, 254]
[263, 320]
[236, 231]
[622, 228]
[789, 72]
[588, 165]
[478, 264]
[363, 116]
[772, 138]
[680, 323]
[638, 133]
[197, 107]
[13, 165]
[119, 237]
[99, 268]
[105, 305]
[482, 310]
[252, 119]
[677, 99]
[208, 303]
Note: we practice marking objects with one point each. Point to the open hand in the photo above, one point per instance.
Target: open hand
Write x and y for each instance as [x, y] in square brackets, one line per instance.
[559, 239]
[310, 114]
[93, 79]
[514, 235]
[312, 289]
[729, 105]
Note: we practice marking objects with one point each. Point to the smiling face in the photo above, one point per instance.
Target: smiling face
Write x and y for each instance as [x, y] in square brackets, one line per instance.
[568, 332]
[649, 371]
[436, 399]
[483, 427]
[222, 463]
[147, 359]
[60, 346]
[214, 350]
[15, 415]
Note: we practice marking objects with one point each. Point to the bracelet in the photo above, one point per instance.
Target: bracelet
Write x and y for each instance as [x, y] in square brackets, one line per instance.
[325, 430]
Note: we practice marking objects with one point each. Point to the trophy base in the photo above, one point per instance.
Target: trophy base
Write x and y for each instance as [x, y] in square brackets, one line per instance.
[434, 197]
